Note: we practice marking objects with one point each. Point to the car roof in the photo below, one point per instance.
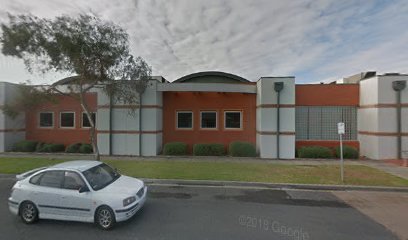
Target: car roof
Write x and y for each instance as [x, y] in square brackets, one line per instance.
[79, 165]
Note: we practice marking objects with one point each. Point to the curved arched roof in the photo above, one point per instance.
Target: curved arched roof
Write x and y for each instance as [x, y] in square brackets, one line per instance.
[212, 76]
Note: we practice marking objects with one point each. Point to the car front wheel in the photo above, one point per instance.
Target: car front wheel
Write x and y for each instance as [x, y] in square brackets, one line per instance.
[28, 212]
[105, 218]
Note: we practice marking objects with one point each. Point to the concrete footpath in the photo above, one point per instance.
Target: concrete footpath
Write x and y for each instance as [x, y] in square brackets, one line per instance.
[389, 209]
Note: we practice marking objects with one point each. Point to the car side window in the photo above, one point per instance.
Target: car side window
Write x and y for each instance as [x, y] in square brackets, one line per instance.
[52, 179]
[72, 181]
[36, 179]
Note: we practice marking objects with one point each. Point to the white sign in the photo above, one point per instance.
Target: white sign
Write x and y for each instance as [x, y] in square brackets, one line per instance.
[341, 128]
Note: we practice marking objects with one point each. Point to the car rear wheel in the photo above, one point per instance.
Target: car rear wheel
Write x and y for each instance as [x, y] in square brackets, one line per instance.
[105, 218]
[28, 212]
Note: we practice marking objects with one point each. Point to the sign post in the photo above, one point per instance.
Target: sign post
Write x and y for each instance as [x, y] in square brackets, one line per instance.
[341, 130]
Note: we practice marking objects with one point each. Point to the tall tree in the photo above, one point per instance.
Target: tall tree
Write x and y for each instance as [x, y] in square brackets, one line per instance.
[96, 51]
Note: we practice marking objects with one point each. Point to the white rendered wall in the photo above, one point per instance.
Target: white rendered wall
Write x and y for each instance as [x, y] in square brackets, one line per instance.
[11, 129]
[266, 118]
[125, 125]
[377, 118]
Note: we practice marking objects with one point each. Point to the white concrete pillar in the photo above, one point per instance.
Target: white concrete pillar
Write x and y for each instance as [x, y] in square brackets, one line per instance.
[266, 118]
[12, 130]
[377, 118]
[125, 124]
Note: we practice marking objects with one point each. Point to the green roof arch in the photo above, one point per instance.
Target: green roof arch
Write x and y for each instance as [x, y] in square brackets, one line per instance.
[211, 77]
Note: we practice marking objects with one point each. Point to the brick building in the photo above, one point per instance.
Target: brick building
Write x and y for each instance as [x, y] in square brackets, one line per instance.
[273, 113]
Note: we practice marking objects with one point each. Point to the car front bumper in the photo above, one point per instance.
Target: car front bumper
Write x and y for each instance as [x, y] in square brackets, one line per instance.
[13, 206]
[125, 214]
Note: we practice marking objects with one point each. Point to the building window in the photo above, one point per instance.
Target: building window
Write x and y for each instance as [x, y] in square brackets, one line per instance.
[320, 122]
[233, 119]
[209, 119]
[67, 119]
[85, 120]
[185, 120]
[46, 119]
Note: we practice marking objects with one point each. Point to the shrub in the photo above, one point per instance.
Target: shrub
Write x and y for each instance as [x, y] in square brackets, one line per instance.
[51, 147]
[175, 148]
[86, 148]
[242, 149]
[39, 146]
[211, 149]
[73, 148]
[25, 146]
[348, 152]
[315, 152]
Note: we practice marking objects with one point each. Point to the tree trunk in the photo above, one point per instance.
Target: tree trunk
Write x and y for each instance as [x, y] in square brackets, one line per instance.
[92, 129]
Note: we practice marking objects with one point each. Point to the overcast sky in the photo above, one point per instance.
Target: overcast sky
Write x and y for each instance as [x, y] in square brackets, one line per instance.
[316, 40]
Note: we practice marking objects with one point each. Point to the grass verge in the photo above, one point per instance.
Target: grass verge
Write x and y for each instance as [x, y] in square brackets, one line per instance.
[229, 171]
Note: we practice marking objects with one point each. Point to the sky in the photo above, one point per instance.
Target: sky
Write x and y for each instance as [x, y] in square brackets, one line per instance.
[313, 40]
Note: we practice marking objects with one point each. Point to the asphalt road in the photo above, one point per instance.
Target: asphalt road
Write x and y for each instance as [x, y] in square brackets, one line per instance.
[213, 213]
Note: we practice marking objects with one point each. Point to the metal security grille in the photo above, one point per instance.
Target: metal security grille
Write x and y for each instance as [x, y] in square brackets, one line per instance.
[320, 122]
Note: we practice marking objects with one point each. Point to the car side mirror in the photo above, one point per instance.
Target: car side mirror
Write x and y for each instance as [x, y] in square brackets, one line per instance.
[83, 189]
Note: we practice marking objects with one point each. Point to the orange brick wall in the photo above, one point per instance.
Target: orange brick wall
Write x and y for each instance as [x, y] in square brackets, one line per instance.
[327, 95]
[199, 101]
[56, 134]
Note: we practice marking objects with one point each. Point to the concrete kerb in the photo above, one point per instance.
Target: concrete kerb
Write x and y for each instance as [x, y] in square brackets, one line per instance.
[258, 185]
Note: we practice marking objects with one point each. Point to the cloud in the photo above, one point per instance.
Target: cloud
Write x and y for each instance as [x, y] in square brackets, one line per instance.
[313, 40]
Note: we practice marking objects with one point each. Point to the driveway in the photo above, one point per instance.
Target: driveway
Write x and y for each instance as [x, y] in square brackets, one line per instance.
[214, 213]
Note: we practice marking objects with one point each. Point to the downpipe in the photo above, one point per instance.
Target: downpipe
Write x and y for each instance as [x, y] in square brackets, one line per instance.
[278, 87]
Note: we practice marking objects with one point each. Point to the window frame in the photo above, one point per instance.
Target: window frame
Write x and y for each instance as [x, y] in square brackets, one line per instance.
[53, 119]
[240, 119]
[80, 177]
[39, 175]
[82, 120]
[216, 119]
[60, 118]
[177, 118]
[45, 172]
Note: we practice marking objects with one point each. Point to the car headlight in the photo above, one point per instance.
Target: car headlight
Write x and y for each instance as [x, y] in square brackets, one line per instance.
[129, 201]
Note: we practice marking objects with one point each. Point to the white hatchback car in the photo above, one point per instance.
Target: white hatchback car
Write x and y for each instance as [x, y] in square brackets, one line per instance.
[86, 191]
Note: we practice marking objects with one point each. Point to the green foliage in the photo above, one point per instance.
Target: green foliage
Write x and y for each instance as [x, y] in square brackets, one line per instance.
[27, 98]
[25, 146]
[39, 146]
[86, 148]
[97, 51]
[52, 147]
[242, 149]
[73, 148]
[175, 148]
[210, 149]
[348, 152]
[315, 152]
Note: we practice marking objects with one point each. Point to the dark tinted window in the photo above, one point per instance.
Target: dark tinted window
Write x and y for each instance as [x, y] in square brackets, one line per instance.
[184, 119]
[73, 180]
[36, 179]
[46, 119]
[67, 119]
[233, 120]
[208, 120]
[52, 179]
[85, 120]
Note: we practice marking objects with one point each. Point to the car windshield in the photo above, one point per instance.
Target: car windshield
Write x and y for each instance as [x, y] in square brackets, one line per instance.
[100, 176]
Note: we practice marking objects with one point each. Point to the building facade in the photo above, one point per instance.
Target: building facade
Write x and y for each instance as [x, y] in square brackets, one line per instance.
[273, 113]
